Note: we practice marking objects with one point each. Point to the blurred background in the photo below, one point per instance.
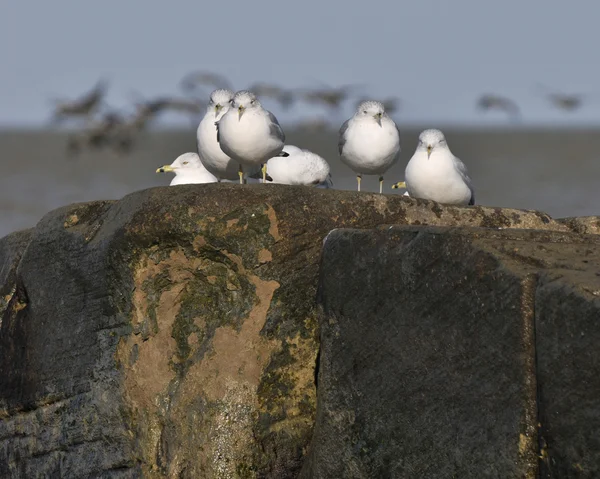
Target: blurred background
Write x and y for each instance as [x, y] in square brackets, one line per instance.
[95, 96]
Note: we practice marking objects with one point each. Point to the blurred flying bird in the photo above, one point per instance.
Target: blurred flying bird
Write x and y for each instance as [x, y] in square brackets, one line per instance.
[148, 110]
[495, 102]
[192, 81]
[85, 106]
[330, 97]
[285, 98]
[563, 101]
[108, 131]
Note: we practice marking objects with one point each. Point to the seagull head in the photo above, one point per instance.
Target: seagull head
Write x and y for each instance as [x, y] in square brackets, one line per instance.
[187, 161]
[220, 101]
[430, 140]
[244, 100]
[371, 109]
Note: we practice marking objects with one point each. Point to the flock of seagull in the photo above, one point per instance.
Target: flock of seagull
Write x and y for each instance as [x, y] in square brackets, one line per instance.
[238, 139]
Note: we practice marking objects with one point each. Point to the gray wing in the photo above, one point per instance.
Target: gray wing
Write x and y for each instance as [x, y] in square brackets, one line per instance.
[462, 169]
[274, 127]
[342, 140]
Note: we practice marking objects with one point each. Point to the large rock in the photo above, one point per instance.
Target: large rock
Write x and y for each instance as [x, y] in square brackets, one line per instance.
[443, 350]
[174, 333]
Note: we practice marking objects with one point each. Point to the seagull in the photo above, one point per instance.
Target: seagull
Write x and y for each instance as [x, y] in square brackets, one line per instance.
[494, 102]
[434, 173]
[188, 169]
[369, 141]
[249, 134]
[301, 167]
[285, 98]
[563, 101]
[84, 106]
[191, 81]
[211, 154]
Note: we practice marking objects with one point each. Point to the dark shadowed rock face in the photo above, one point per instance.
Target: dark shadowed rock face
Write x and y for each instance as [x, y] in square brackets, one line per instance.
[446, 349]
[11, 250]
[174, 333]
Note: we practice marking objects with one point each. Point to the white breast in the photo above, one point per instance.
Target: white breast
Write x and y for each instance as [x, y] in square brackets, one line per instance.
[371, 149]
[248, 140]
[210, 152]
[436, 178]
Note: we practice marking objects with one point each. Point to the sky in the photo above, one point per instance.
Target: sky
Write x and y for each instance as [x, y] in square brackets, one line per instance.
[437, 56]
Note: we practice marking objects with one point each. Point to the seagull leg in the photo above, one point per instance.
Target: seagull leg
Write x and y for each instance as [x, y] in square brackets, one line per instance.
[241, 175]
[380, 184]
[358, 178]
[264, 172]
[400, 184]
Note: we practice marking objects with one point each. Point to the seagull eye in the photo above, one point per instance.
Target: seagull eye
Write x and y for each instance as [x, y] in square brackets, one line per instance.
[365, 112]
[185, 162]
[252, 102]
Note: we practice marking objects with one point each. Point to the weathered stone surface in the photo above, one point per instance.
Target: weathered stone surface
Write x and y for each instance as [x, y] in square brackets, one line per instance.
[582, 224]
[174, 333]
[568, 364]
[438, 346]
[11, 250]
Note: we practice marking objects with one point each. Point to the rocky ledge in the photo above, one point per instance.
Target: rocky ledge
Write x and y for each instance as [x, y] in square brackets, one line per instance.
[176, 333]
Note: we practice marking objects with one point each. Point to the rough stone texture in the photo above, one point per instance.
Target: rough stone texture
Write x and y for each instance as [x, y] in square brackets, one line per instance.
[446, 348]
[582, 224]
[174, 333]
[11, 250]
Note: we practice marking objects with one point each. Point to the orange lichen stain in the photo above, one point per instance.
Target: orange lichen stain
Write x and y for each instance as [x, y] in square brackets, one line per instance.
[199, 242]
[232, 222]
[264, 256]
[237, 355]
[18, 306]
[211, 279]
[71, 220]
[273, 229]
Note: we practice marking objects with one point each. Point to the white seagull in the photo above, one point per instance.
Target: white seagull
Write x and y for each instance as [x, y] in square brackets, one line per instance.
[211, 154]
[301, 167]
[249, 134]
[369, 141]
[434, 173]
[188, 169]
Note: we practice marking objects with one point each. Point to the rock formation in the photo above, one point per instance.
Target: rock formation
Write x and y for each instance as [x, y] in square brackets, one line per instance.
[175, 333]
[458, 352]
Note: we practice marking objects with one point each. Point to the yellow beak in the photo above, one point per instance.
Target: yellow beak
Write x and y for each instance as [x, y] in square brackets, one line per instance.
[164, 169]
[241, 110]
[378, 118]
[428, 151]
[217, 109]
